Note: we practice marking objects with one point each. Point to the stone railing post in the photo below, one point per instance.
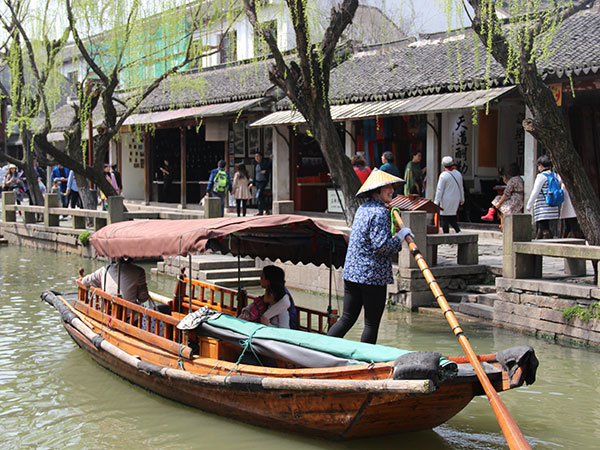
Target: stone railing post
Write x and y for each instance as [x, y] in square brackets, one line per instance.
[417, 222]
[518, 228]
[8, 198]
[283, 207]
[212, 207]
[115, 210]
[51, 201]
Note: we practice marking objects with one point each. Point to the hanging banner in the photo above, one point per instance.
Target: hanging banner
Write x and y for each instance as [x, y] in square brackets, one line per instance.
[557, 92]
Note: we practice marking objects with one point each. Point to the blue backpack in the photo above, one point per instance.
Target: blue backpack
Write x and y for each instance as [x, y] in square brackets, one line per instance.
[555, 195]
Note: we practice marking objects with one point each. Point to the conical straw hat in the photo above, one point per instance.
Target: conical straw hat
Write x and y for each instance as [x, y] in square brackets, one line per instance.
[377, 179]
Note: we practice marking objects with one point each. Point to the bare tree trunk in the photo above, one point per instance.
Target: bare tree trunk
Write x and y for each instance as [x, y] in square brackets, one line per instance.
[339, 165]
[35, 193]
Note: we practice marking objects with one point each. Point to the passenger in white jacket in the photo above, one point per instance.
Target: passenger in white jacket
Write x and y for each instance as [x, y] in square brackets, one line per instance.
[449, 194]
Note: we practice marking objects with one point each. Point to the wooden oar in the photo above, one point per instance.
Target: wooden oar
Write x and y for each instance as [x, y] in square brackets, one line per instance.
[512, 433]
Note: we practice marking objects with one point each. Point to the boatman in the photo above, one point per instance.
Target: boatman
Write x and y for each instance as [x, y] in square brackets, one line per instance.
[368, 266]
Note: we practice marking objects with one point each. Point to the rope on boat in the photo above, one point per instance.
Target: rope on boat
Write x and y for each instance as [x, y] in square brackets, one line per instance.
[247, 343]
[180, 360]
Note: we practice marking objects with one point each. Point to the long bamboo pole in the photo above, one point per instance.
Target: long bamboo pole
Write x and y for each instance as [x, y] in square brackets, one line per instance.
[512, 433]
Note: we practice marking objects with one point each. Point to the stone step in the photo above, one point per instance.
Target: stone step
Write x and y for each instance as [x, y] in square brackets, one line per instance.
[482, 288]
[487, 299]
[472, 298]
[209, 262]
[461, 297]
[475, 310]
[233, 282]
[3, 241]
[219, 274]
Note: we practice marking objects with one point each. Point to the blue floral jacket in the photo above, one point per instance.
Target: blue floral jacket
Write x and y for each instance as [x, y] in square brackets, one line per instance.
[371, 246]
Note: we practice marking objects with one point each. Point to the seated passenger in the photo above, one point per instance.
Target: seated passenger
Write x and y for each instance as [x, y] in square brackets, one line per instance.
[254, 310]
[131, 281]
[279, 299]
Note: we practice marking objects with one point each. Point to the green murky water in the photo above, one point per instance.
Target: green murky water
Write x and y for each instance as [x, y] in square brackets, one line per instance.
[52, 395]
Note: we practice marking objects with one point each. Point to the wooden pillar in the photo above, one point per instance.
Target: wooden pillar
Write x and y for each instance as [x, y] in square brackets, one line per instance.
[147, 166]
[182, 146]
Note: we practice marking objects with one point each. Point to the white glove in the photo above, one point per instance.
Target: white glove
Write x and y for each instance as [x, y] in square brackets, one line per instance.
[405, 232]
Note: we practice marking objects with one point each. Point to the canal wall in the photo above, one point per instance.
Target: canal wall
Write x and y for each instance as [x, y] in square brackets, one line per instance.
[548, 309]
[45, 238]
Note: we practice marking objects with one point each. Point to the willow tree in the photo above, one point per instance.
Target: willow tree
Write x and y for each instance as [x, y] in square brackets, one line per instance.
[529, 36]
[25, 96]
[143, 43]
[305, 80]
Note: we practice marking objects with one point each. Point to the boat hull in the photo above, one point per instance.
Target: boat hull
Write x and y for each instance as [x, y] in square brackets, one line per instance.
[318, 414]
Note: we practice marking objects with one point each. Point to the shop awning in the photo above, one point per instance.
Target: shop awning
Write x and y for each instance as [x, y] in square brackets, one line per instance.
[400, 107]
[213, 110]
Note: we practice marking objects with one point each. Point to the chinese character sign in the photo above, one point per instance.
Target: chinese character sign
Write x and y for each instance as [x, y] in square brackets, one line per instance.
[461, 141]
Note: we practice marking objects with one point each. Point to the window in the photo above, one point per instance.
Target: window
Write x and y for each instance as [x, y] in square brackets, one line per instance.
[228, 49]
[260, 45]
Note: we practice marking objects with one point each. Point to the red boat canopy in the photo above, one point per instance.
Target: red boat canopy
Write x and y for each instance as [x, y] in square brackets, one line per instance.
[285, 237]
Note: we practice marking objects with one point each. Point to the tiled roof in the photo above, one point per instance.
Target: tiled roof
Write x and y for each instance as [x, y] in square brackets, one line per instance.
[225, 84]
[427, 67]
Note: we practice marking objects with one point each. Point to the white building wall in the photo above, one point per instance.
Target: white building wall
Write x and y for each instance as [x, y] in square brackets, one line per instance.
[132, 176]
[281, 184]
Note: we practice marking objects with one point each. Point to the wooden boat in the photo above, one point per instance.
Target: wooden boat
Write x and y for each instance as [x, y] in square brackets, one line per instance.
[315, 385]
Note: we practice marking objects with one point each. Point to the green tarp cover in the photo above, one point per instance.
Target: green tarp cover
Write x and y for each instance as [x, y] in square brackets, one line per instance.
[339, 347]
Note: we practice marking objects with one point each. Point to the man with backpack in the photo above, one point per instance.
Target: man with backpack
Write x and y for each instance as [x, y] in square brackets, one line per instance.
[219, 184]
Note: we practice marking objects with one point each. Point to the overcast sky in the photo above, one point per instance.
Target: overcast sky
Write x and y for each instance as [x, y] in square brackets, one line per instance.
[429, 15]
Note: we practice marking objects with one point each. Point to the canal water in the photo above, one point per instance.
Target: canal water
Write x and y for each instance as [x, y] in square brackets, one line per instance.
[52, 395]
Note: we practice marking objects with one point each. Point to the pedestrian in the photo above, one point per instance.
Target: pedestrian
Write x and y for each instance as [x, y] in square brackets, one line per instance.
[72, 192]
[241, 191]
[360, 168]
[450, 194]
[569, 225]
[167, 179]
[262, 172]
[413, 174]
[110, 177]
[219, 184]
[543, 212]
[368, 265]
[14, 182]
[62, 174]
[118, 178]
[387, 165]
[511, 200]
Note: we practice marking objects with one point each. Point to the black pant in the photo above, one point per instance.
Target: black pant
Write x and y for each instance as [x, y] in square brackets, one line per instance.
[75, 200]
[357, 296]
[543, 230]
[447, 221]
[240, 204]
[260, 196]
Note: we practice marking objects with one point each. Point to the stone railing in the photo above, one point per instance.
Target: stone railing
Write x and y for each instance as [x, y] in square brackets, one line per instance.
[50, 213]
[523, 258]
[412, 289]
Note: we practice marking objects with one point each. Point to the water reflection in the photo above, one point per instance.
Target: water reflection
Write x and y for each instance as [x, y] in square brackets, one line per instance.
[53, 395]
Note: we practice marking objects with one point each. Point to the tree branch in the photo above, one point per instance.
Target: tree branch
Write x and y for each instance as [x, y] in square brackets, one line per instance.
[81, 46]
[340, 19]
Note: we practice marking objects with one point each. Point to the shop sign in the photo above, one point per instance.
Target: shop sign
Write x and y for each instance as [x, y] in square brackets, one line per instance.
[461, 141]
[333, 201]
